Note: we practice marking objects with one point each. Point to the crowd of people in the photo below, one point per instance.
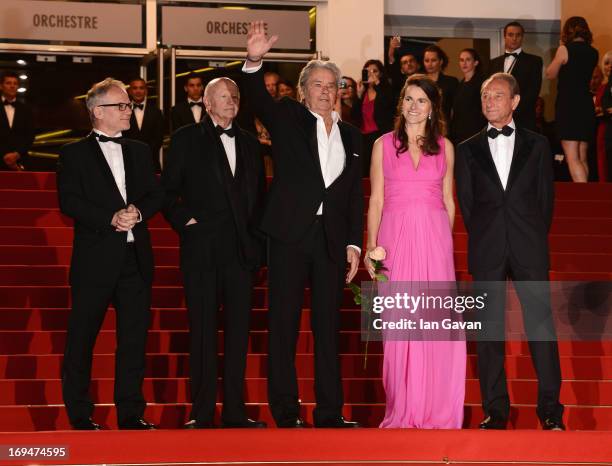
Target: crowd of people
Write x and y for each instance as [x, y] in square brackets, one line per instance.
[308, 227]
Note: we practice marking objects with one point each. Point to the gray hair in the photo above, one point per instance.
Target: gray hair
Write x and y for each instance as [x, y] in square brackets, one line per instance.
[210, 87]
[315, 65]
[507, 78]
[98, 91]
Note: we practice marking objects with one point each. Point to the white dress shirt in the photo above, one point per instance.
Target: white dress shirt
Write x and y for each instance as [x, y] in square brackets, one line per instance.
[229, 144]
[196, 109]
[139, 114]
[502, 150]
[10, 112]
[114, 157]
[510, 61]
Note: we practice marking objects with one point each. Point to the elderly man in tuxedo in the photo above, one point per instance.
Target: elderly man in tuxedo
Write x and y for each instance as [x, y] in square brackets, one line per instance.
[526, 69]
[505, 191]
[314, 218]
[215, 184]
[190, 110]
[107, 185]
[147, 121]
[16, 128]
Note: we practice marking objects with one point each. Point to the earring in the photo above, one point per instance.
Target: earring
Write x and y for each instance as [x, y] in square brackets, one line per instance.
[429, 117]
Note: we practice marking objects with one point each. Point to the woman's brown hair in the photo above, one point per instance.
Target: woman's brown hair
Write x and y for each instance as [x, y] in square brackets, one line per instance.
[574, 28]
[435, 126]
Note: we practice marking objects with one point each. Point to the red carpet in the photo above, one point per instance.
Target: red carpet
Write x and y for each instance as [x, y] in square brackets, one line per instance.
[35, 247]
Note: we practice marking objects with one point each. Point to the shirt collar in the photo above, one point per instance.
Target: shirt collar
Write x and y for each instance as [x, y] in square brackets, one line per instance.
[4, 99]
[217, 124]
[517, 51]
[199, 101]
[334, 114]
[96, 130]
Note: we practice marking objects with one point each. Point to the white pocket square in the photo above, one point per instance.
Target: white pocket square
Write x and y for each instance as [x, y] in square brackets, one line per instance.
[355, 155]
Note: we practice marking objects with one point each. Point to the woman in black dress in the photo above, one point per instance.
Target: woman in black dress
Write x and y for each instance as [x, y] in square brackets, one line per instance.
[467, 113]
[575, 112]
[435, 62]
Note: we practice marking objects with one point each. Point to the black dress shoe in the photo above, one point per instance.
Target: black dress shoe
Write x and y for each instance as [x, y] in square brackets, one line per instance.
[296, 423]
[247, 423]
[338, 423]
[193, 424]
[85, 424]
[553, 424]
[493, 423]
[136, 424]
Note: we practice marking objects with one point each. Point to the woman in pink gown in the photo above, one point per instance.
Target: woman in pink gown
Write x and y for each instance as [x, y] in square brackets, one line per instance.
[411, 214]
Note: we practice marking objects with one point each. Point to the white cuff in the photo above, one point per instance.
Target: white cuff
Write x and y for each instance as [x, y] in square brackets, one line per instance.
[251, 70]
[357, 248]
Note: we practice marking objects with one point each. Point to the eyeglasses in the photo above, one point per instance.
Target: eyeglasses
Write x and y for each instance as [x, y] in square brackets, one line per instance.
[122, 106]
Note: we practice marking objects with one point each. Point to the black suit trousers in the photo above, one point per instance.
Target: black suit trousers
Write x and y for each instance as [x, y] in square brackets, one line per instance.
[214, 275]
[131, 297]
[539, 327]
[290, 265]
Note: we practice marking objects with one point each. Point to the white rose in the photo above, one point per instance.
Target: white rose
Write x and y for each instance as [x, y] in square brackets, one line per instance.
[378, 253]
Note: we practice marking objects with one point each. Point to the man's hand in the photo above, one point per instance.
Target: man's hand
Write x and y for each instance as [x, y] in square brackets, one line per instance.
[394, 44]
[125, 219]
[258, 44]
[10, 159]
[352, 257]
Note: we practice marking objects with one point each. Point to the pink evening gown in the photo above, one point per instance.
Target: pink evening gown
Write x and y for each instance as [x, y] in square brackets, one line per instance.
[424, 381]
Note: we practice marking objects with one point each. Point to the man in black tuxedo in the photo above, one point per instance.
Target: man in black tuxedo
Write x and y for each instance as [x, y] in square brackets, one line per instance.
[107, 185]
[16, 128]
[147, 121]
[215, 183]
[314, 217]
[526, 68]
[505, 191]
[190, 111]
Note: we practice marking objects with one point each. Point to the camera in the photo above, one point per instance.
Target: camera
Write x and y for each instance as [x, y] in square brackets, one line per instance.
[343, 84]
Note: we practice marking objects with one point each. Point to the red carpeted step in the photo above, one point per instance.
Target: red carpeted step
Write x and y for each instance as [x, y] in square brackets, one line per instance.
[60, 255]
[48, 366]
[370, 390]
[172, 416]
[177, 341]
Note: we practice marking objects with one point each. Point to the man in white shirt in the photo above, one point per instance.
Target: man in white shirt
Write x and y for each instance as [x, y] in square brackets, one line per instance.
[314, 217]
[106, 184]
[190, 110]
[215, 183]
[506, 193]
[526, 69]
[147, 122]
[16, 126]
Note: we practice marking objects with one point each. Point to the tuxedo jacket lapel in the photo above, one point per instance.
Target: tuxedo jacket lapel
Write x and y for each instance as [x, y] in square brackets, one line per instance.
[310, 126]
[4, 118]
[485, 159]
[215, 148]
[128, 168]
[519, 157]
[105, 170]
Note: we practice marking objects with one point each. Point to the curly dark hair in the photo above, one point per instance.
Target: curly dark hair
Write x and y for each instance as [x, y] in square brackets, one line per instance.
[441, 55]
[435, 125]
[574, 28]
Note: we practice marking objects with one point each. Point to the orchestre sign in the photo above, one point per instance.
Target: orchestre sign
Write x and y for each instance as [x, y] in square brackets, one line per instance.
[219, 27]
[40, 20]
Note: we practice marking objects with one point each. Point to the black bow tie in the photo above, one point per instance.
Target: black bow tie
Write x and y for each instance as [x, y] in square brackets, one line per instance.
[7, 102]
[511, 54]
[140, 106]
[193, 104]
[494, 132]
[103, 138]
[229, 131]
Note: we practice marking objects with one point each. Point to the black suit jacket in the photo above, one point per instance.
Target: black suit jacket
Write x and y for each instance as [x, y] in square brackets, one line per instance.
[197, 181]
[151, 132]
[528, 73]
[513, 221]
[20, 136]
[181, 115]
[298, 187]
[88, 193]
